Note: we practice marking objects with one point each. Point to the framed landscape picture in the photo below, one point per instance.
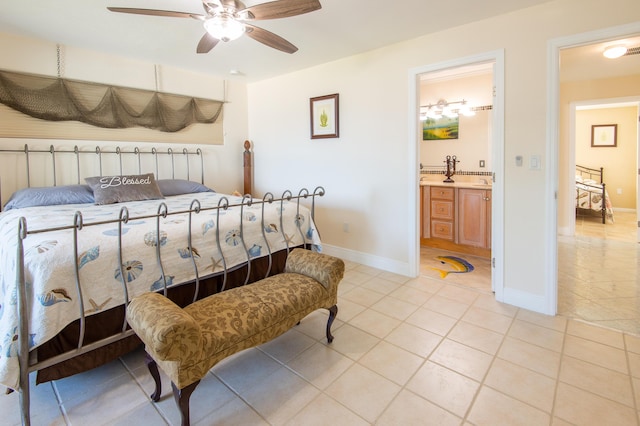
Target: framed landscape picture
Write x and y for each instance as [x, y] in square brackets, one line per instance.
[434, 129]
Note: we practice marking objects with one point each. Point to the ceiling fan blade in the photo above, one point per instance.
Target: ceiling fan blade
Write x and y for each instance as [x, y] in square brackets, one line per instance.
[280, 9]
[270, 39]
[210, 5]
[207, 42]
[154, 12]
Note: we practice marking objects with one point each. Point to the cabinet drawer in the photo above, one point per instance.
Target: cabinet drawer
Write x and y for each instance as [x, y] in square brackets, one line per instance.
[442, 229]
[442, 193]
[442, 209]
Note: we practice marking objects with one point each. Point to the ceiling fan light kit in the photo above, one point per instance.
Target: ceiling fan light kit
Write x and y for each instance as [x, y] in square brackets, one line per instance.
[224, 20]
[224, 27]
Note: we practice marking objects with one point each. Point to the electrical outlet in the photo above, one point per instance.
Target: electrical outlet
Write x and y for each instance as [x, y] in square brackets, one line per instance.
[481, 163]
[345, 227]
[619, 191]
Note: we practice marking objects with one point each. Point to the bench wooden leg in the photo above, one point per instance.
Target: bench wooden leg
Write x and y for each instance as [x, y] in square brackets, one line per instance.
[182, 400]
[333, 311]
[153, 369]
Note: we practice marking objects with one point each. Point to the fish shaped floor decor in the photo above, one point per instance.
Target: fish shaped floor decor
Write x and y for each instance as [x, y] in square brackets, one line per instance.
[460, 266]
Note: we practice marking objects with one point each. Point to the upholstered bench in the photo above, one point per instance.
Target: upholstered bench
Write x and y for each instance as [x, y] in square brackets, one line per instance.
[187, 342]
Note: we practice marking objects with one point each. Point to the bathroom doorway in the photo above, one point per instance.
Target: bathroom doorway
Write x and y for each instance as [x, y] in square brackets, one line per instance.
[478, 82]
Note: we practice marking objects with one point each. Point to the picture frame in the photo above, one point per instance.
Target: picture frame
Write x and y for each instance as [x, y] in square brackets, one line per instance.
[443, 128]
[604, 135]
[325, 119]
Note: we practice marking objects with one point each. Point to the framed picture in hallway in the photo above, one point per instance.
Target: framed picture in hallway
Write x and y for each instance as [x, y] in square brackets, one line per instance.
[324, 116]
[604, 135]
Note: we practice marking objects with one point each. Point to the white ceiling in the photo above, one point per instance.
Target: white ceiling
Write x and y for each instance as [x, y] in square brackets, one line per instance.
[340, 29]
[588, 63]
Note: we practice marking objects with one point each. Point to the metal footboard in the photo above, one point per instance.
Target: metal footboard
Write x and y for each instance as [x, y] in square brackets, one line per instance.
[28, 364]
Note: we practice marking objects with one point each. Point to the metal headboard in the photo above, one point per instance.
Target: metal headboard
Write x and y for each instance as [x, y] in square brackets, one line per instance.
[118, 151]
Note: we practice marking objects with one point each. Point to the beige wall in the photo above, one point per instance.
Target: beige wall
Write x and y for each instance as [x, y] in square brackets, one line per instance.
[366, 171]
[618, 162]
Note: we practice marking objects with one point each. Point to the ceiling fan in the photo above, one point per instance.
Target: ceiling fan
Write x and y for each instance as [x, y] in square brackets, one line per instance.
[226, 20]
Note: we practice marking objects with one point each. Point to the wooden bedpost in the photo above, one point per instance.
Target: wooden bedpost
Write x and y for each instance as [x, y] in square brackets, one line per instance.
[248, 168]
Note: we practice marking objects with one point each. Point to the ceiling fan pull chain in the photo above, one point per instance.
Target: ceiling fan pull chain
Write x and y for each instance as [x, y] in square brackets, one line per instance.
[155, 75]
[224, 90]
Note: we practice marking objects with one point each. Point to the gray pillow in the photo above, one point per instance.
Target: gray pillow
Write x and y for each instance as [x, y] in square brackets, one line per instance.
[118, 189]
[180, 186]
[50, 196]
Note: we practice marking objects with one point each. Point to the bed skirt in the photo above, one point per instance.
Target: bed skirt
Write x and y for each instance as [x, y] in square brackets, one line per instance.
[108, 323]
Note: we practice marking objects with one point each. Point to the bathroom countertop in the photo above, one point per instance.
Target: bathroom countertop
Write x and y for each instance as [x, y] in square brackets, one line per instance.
[473, 185]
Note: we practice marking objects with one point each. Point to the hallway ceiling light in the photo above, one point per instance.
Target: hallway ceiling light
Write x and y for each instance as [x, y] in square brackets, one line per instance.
[615, 51]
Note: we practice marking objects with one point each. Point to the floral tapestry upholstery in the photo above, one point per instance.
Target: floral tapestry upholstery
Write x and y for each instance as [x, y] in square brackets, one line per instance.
[187, 343]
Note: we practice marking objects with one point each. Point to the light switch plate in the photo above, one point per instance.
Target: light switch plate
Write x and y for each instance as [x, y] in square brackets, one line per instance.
[534, 162]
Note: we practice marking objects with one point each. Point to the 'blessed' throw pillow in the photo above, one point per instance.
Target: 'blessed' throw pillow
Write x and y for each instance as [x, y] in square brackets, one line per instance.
[118, 189]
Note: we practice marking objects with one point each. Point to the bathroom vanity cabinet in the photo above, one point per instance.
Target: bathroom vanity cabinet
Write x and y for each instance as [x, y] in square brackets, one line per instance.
[456, 217]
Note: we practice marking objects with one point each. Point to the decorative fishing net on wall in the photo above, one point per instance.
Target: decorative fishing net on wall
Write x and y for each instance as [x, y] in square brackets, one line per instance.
[112, 107]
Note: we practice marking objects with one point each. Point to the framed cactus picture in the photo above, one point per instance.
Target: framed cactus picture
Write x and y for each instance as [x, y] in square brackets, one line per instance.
[324, 116]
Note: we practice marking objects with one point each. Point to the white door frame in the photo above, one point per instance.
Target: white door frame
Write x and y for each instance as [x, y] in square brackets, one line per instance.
[497, 160]
[553, 130]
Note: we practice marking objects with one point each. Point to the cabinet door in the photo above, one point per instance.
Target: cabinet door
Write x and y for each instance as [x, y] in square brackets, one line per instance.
[425, 218]
[472, 217]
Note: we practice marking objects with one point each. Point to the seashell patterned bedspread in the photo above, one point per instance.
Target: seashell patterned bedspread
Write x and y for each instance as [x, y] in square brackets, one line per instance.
[49, 256]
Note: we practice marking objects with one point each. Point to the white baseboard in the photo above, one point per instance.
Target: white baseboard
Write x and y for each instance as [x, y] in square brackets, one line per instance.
[389, 265]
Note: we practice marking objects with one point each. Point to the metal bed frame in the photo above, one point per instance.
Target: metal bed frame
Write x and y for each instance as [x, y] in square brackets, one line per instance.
[28, 362]
[599, 174]
[120, 153]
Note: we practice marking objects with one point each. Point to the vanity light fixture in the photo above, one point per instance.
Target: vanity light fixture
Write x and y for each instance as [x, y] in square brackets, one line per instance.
[614, 51]
[445, 108]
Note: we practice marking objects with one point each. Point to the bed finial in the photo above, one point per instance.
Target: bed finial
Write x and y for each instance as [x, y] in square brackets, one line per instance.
[248, 168]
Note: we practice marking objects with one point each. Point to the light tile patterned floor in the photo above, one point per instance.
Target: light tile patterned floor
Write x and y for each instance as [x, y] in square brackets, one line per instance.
[406, 352]
[599, 273]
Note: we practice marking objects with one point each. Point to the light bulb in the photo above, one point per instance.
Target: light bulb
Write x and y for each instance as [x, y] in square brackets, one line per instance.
[613, 52]
[224, 27]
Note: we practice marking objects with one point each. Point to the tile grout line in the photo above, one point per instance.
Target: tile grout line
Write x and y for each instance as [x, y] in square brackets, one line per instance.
[633, 388]
[557, 378]
[486, 373]
[137, 382]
